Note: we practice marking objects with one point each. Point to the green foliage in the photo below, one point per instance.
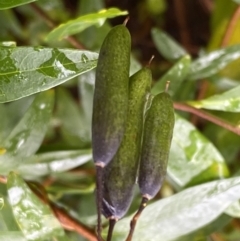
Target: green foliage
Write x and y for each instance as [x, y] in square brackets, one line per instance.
[45, 129]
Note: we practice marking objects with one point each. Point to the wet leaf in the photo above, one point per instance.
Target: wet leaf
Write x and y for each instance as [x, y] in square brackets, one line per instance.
[227, 101]
[27, 70]
[7, 222]
[189, 210]
[4, 4]
[202, 233]
[167, 46]
[34, 218]
[78, 25]
[213, 62]
[54, 162]
[192, 154]
[175, 75]
[25, 139]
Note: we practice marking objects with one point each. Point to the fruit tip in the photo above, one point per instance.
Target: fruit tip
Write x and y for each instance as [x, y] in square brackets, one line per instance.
[150, 61]
[167, 86]
[126, 20]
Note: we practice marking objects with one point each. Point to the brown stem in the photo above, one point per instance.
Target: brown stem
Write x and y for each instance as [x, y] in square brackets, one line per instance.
[230, 27]
[217, 237]
[68, 222]
[200, 95]
[136, 217]
[112, 223]
[207, 116]
[72, 40]
[99, 174]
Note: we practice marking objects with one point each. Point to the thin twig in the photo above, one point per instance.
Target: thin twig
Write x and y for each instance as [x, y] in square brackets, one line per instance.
[207, 116]
[99, 178]
[67, 222]
[112, 223]
[72, 40]
[230, 27]
[136, 217]
[216, 237]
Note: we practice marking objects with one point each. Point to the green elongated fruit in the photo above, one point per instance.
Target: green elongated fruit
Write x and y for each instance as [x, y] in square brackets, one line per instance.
[157, 137]
[111, 95]
[120, 175]
[110, 103]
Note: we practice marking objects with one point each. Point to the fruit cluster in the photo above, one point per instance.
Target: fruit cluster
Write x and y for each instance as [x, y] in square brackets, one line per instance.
[131, 131]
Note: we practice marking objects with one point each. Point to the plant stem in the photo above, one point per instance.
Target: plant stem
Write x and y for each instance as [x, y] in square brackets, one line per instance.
[207, 116]
[112, 223]
[99, 177]
[230, 27]
[136, 217]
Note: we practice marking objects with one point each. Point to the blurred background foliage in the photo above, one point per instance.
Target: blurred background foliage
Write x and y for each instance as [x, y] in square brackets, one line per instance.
[46, 138]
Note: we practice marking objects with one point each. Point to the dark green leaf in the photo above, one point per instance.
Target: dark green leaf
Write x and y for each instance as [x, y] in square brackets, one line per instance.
[86, 88]
[189, 210]
[54, 162]
[167, 46]
[26, 70]
[191, 154]
[72, 120]
[34, 218]
[227, 101]
[213, 62]
[175, 75]
[4, 4]
[83, 22]
[27, 136]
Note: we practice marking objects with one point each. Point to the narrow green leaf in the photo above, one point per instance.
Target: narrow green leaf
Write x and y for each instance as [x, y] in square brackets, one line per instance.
[8, 222]
[175, 75]
[202, 233]
[26, 70]
[86, 84]
[227, 101]
[34, 218]
[190, 210]
[8, 44]
[4, 127]
[73, 129]
[167, 46]
[4, 4]
[1, 202]
[54, 162]
[191, 154]
[27, 136]
[12, 236]
[213, 62]
[234, 210]
[83, 22]
[236, 1]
